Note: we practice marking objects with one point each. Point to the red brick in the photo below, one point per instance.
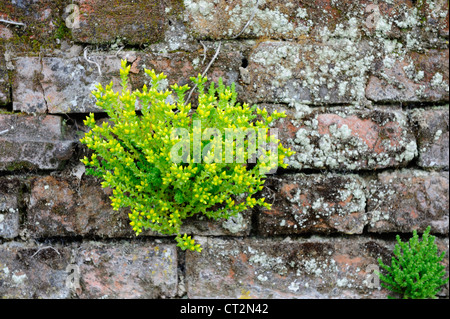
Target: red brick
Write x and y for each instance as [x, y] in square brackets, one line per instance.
[102, 270]
[28, 95]
[127, 270]
[319, 268]
[313, 204]
[413, 77]
[33, 142]
[402, 201]
[432, 137]
[28, 271]
[180, 66]
[61, 85]
[135, 22]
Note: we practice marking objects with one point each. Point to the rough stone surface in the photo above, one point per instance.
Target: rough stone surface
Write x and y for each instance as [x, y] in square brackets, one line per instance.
[67, 207]
[307, 72]
[411, 77]
[67, 84]
[316, 18]
[127, 270]
[345, 138]
[133, 22]
[31, 272]
[31, 142]
[101, 270]
[402, 201]
[322, 268]
[70, 207]
[304, 268]
[313, 204]
[10, 196]
[42, 19]
[181, 66]
[432, 137]
[61, 85]
[5, 33]
[64, 85]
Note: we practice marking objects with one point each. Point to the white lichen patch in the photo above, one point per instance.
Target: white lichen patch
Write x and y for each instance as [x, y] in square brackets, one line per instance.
[333, 72]
[266, 262]
[344, 196]
[319, 268]
[18, 279]
[437, 135]
[294, 286]
[339, 145]
[201, 7]
[235, 224]
[438, 82]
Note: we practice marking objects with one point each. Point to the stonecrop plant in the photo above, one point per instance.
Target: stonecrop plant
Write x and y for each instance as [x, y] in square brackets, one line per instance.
[165, 168]
[415, 271]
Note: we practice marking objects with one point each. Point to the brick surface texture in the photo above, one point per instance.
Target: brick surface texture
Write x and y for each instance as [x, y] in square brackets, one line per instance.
[365, 88]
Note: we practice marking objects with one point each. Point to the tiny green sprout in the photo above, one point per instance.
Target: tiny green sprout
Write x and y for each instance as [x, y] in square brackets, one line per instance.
[415, 271]
[138, 155]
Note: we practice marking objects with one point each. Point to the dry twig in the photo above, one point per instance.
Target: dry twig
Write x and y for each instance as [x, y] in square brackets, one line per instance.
[93, 62]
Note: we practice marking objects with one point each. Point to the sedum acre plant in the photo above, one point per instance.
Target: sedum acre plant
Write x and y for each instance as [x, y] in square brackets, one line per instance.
[415, 271]
[172, 162]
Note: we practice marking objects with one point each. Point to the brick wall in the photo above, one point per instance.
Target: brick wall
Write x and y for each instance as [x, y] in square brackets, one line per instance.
[365, 86]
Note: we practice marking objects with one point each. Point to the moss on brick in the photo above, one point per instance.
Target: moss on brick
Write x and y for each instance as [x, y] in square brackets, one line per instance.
[133, 22]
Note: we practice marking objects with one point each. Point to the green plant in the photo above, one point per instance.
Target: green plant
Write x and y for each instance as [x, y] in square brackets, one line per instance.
[415, 271]
[62, 32]
[134, 154]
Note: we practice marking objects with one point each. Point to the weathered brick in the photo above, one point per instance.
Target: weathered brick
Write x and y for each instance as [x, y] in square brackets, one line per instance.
[134, 22]
[313, 204]
[67, 207]
[435, 16]
[27, 90]
[308, 72]
[315, 18]
[432, 136]
[64, 207]
[180, 66]
[102, 270]
[308, 268]
[402, 201]
[33, 142]
[410, 77]
[323, 268]
[127, 270]
[41, 23]
[345, 138]
[61, 85]
[30, 272]
[10, 195]
[64, 85]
